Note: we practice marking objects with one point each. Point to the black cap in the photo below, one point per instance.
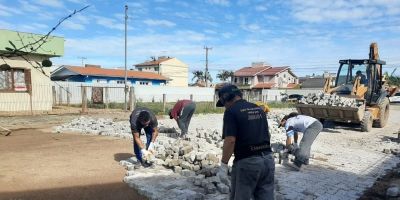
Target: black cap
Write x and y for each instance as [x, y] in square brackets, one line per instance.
[229, 89]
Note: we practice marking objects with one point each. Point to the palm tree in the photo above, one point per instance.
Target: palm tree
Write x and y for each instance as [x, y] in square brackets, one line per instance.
[198, 75]
[224, 75]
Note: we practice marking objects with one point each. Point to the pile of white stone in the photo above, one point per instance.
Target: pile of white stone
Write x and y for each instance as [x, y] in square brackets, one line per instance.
[330, 100]
[99, 126]
[190, 164]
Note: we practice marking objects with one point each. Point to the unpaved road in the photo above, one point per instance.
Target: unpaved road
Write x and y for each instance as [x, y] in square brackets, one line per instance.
[37, 164]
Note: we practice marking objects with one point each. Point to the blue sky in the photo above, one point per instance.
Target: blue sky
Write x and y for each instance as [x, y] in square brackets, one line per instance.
[308, 35]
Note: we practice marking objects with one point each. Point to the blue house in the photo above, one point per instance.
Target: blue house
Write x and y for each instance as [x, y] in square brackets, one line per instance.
[96, 74]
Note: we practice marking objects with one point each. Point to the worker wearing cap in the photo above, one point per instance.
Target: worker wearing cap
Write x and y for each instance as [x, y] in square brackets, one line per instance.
[310, 127]
[182, 112]
[143, 118]
[245, 134]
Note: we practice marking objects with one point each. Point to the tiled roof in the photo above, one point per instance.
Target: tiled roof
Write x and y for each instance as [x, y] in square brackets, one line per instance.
[264, 86]
[273, 71]
[249, 71]
[96, 71]
[153, 62]
[292, 85]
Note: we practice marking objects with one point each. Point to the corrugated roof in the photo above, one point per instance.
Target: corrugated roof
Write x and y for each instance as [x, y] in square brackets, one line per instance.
[249, 71]
[95, 71]
[153, 62]
[313, 83]
[264, 86]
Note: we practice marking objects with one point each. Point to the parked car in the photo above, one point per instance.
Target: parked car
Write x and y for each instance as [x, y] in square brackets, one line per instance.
[295, 97]
[395, 98]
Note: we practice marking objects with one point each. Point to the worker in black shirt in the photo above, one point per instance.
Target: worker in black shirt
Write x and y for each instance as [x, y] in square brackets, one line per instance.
[143, 118]
[245, 133]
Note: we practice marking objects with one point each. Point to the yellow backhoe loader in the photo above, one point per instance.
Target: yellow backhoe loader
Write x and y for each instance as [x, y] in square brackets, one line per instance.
[363, 80]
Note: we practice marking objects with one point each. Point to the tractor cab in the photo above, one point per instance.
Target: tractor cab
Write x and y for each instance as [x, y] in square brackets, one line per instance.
[355, 74]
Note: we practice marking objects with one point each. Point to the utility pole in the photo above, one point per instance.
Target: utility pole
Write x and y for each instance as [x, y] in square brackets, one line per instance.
[206, 73]
[82, 58]
[126, 72]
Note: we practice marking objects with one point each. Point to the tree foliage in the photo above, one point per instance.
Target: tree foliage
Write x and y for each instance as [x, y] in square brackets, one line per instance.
[224, 75]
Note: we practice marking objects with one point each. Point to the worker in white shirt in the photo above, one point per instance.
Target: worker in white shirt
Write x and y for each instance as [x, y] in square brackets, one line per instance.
[310, 127]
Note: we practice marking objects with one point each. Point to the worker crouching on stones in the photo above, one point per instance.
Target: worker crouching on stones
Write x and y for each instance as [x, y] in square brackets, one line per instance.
[182, 112]
[143, 118]
[245, 134]
[310, 127]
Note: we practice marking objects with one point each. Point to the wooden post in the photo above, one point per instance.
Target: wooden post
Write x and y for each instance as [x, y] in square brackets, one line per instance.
[164, 97]
[191, 97]
[106, 100]
[54, 95]
[132, 98]
[215, 100]
[60, 95]
[84, 99]
[68, 96]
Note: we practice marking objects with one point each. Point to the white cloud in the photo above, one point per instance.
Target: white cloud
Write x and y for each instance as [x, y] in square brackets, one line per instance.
[50, 3]
[152, 22]
[29, 7]
[343, 10]
[261, 8]
[110, 23]
[229, 17]
[72, 25]
[8, 12]
[219, 2]
[6, 25]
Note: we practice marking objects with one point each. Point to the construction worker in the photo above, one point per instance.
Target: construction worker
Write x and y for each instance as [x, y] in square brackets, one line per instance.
[182, 112]
[363, 78]
[245, 134]
[143, 118]
[310, 127]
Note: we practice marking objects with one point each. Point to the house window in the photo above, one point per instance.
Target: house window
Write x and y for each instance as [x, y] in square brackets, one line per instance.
[246, 81]
[156, 69]
[121, 82]
[140, 69]
[235, 80]
[143, 82]
[14, 79]
[284, 75]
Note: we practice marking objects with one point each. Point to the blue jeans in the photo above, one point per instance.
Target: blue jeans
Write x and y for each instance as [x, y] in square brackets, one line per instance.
[136, 149]
[253, 178]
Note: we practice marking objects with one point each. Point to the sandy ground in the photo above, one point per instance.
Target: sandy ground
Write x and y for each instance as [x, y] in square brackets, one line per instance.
[37, 164]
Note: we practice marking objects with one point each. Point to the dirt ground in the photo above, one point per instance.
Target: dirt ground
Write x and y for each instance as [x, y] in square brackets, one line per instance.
[38, 164]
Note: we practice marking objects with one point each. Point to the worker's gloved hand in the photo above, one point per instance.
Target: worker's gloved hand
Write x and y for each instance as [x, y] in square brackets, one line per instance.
[145, 154]
[151, 147]
[222, 173]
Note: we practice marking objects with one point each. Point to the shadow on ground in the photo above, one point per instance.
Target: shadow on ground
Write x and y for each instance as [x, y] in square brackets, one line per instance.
[122, 156]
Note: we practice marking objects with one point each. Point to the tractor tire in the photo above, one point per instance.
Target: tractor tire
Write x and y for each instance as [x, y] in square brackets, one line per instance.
[366, 123]
[383, 114]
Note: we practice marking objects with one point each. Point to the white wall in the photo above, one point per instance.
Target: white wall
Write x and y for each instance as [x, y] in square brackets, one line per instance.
[142, 93]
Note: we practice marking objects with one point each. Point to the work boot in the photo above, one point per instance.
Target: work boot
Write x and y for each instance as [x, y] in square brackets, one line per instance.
[306, 162]
[146, 164]
[296, 166]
